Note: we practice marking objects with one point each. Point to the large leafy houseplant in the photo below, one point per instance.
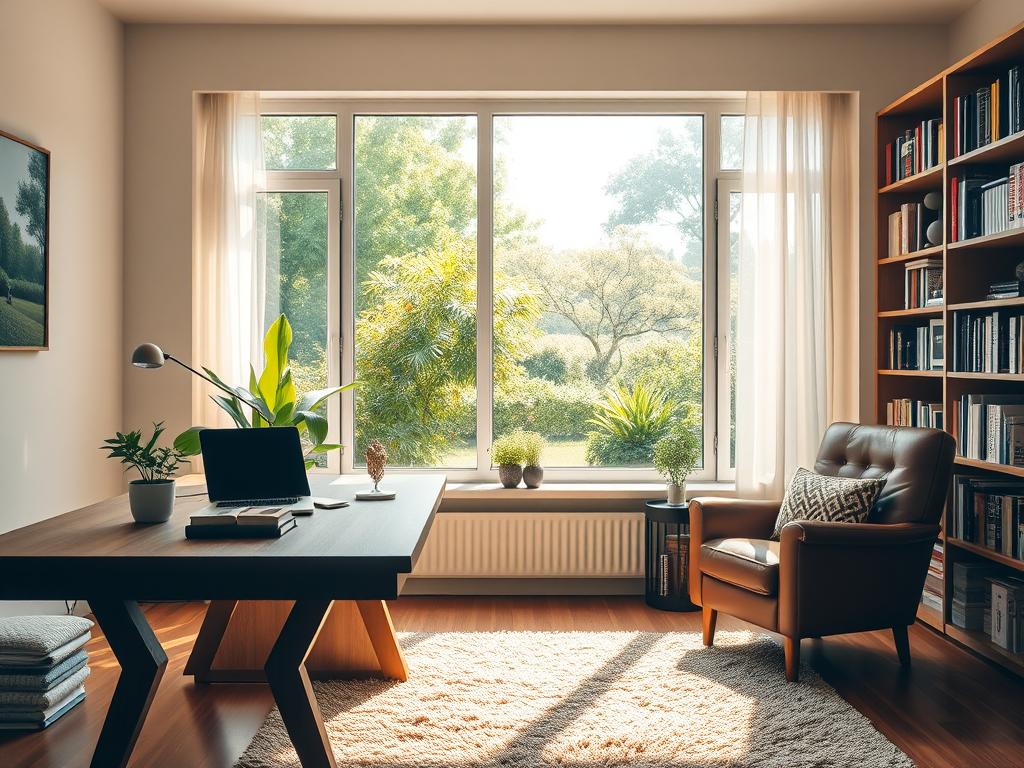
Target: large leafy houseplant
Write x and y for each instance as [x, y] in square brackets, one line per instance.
[271, 400]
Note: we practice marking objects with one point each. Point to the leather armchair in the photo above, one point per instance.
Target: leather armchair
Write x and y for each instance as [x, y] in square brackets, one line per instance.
[828, 578]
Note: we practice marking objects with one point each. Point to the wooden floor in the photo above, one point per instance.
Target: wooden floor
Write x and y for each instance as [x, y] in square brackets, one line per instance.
[951, 710]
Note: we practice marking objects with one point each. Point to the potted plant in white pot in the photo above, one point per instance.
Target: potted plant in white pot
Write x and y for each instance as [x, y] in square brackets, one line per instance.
[533, 447]
[151, 497]
[675, 457]
[507, 453]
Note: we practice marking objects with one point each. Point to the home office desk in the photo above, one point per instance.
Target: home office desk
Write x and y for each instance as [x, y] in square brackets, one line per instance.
[357, 553]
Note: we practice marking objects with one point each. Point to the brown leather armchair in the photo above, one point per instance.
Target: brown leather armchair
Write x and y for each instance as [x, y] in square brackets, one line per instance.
[828, 578]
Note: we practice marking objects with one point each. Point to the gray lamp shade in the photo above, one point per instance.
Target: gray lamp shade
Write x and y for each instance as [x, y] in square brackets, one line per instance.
[147, 356]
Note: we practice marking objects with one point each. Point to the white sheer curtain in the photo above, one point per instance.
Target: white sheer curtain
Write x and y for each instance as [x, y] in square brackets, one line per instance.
[797, 325]
[229, 269]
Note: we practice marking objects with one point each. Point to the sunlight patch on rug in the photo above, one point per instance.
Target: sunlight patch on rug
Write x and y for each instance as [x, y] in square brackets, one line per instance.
[582, 699]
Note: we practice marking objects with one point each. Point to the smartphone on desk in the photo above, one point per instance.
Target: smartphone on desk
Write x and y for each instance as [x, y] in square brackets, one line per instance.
[323, 502]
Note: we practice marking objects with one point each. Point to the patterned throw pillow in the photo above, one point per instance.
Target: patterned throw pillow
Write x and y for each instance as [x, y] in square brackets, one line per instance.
[811, 496]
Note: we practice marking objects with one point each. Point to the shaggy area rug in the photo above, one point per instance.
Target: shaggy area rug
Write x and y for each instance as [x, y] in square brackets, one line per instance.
[581, 699]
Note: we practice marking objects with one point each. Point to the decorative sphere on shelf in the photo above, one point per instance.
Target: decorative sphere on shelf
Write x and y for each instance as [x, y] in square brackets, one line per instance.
[934, 232]
[933, 201]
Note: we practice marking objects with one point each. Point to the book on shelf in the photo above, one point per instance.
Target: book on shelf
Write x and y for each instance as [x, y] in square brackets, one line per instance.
[1005, 289]
[965, 205]
[917, 347]
[931, 596]
[903, 412]
[988, 341]
[1008, 613]
[989, 513]
[917, 150]
[989, 113]
[922, 283]
[990, 428]
[972, 594]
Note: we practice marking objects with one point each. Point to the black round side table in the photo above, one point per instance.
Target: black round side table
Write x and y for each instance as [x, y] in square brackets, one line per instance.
[667, 556]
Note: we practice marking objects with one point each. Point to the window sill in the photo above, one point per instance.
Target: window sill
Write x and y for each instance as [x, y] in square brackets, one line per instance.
[567, 491]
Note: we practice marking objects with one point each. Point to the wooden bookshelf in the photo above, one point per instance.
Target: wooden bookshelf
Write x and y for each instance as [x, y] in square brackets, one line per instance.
[968, 268]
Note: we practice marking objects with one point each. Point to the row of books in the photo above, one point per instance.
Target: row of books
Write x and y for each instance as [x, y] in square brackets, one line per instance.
[971, 604]
[917, 150]
[916, 347]
[988, 342]
[922, 283]
[989, 513]
[903, 412]
[983, 204]
[992, 112]
[990, 428]
[907, 228]
[932, 594]
[240, 522]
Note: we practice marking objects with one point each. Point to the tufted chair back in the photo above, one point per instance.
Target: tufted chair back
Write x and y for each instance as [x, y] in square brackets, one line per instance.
[916, 464]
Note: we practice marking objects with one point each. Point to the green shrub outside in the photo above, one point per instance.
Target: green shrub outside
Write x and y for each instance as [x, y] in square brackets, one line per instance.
[558, 411]
[23, 289]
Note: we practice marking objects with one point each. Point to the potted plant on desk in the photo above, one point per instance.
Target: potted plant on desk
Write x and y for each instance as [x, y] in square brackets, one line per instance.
[675, 457]
[151, 497]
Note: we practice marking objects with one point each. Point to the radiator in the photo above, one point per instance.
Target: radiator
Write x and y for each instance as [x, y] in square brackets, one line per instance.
[533, 545]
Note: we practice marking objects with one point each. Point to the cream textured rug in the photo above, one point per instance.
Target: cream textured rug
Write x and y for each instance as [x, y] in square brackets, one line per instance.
[579, 699]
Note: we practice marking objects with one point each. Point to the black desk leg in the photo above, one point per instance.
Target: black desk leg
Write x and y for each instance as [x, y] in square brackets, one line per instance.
[286, 673]
[142, 661]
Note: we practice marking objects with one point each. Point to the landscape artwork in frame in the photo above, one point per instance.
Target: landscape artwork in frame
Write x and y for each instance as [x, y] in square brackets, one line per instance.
[24, 240]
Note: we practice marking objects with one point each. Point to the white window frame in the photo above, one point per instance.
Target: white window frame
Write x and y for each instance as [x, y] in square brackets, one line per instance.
[341, 291]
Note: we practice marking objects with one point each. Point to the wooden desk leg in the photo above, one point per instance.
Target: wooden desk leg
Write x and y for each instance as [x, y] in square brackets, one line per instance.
[381, 632]
[286, 674]
[215, 624]
[142, 661]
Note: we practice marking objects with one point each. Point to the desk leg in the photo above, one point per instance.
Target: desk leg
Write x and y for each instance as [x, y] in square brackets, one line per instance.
[215, 624]
[286, 673]
[142, 661]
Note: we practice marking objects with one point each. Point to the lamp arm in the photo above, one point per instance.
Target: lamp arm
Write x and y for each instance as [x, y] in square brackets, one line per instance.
[202, 375]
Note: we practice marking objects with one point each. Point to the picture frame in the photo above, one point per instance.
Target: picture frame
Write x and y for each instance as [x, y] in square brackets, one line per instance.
[24, 245]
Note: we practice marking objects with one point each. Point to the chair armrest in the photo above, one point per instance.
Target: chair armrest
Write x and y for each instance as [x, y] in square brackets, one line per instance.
[718, 518]
[851, 577]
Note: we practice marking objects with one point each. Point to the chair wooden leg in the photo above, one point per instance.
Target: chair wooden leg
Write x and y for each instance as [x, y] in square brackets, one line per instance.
[710, 617]
[792, 648]
[902, 641]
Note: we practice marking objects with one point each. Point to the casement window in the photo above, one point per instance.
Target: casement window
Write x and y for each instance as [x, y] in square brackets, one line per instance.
[485, 266]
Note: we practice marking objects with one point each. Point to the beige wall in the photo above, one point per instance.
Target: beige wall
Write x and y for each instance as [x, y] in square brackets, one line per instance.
[985, 21]
[165, 64]
[62, 89]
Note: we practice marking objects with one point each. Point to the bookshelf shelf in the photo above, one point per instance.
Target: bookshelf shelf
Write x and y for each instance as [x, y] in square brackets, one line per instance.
[1010, 148]
[990, 554]
[935, 250]
[969, 268]
[930, 179]
[917, 311]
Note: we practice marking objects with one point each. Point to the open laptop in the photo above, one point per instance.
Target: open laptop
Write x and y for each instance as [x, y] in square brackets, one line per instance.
[255, 468]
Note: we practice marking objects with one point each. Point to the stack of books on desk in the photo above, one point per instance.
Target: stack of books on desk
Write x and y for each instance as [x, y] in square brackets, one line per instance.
[240, 523]
[43, 667]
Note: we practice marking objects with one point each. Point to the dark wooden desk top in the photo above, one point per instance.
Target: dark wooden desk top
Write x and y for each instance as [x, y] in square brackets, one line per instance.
[355, 552]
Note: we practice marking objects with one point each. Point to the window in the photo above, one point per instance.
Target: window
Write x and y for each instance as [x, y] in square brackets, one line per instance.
[504, 265]
[731, 145]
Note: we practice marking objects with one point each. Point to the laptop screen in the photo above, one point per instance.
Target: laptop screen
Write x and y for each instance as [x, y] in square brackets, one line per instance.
[253, 463]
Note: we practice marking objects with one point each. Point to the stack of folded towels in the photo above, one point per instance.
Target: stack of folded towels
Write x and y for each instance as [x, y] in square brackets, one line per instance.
[42, 669]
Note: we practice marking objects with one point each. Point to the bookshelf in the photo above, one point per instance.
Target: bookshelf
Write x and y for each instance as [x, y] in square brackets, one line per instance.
[969, 266]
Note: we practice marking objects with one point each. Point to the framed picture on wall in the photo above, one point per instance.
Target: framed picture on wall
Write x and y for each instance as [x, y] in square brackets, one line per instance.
[24, 244]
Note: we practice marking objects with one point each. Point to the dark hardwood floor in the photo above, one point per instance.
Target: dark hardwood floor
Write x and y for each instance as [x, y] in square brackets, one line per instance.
[950, 710]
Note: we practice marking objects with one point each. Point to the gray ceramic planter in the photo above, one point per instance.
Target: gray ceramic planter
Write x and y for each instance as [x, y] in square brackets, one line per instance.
[510, 474]
[151, 502]
[533, 476]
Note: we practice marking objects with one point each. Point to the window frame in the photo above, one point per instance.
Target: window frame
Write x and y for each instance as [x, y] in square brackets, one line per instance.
[341, 291]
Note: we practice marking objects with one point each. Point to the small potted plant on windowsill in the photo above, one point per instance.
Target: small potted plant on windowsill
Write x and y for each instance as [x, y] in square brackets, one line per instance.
[533, 447]
[507, 452]
[151, 497]
[675, 456]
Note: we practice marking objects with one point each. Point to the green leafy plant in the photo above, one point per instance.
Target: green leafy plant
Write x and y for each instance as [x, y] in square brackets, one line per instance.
[509, 449]
[153, 463]
[271, 399]
[533, 447]
[629, 422]
[678, 453]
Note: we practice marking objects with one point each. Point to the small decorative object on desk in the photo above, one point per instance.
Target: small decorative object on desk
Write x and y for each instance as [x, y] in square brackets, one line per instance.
[43, 667]
[675, 457]
[533, 447]
[508, 453]
[376, 456]
[151, 497]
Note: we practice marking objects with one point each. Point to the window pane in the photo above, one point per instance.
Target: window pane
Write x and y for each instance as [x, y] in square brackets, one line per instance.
[731, 140]
[299, 142]
[415, 263]
[293, 228]
[598, 243]
[734, 262]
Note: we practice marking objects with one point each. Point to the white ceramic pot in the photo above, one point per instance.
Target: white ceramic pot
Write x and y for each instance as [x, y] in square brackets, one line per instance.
[151, 502]
[676, 494]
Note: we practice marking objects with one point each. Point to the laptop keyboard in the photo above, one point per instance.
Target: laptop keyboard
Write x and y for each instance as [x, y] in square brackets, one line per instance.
[260, 502]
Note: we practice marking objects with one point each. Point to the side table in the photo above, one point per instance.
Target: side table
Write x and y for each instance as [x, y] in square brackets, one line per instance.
[667, 556]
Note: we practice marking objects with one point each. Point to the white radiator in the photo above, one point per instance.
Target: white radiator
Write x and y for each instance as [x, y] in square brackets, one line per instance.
[533, 545]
